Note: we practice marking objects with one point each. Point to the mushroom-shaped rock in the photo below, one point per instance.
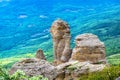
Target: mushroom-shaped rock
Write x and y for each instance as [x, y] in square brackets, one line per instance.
[40, 55]
[89, 48]
[60, 32]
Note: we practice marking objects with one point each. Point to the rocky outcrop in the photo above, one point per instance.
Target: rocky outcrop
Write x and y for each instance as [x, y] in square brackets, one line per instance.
[40, 55]
[89, 48]
[33, 67]
[66, 71]
[74, 69]
[60, 32]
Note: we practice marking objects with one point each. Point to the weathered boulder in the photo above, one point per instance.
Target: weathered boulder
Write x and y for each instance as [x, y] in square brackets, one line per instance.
[33, 67]
[89, 48]
[60, 32]
[40, 55]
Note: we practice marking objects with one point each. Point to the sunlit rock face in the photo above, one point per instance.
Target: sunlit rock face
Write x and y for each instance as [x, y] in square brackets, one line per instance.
[88, 48]
[60, 32]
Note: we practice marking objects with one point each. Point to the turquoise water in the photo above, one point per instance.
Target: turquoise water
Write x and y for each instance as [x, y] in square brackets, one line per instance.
[25, 24]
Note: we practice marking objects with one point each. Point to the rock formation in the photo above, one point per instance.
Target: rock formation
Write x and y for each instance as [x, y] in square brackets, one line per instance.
[89, 48]
[73, 70]
[40, 55]
[60, 32]
[33, 67]
[67, 71]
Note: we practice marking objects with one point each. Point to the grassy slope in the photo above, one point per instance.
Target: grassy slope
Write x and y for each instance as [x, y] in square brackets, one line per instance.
[114, 59]
[110, 73]
[8, 62]
[106, 28]
[105, 24]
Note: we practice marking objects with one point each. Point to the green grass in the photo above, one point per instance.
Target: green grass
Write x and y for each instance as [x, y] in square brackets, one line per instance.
[18, 75]
[8, 62]
[110, 73]
[106, 74]
[114, 59]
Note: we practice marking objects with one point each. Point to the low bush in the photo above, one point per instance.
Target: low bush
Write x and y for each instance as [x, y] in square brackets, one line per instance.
[18, 75]
[110, 73]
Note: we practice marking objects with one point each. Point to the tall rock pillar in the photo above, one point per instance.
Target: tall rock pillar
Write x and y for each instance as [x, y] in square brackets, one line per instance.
[60, 32]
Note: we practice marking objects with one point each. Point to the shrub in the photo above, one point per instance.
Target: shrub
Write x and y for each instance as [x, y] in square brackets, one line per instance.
[106, 74]
[4, 74]
[18, 75]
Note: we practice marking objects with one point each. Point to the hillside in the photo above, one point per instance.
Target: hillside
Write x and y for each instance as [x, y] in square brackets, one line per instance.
[26, 28]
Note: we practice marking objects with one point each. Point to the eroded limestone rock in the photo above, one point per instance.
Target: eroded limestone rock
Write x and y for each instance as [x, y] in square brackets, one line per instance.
[89, 48]
[60, 32]
[66, 71]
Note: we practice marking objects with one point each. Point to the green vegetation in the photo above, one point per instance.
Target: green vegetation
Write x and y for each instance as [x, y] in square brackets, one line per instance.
[110, 73]
[114, 59]
[22, 40]
[106, 74]
[18, 75]
[8, 62]
[73, 67]
[112, 45]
